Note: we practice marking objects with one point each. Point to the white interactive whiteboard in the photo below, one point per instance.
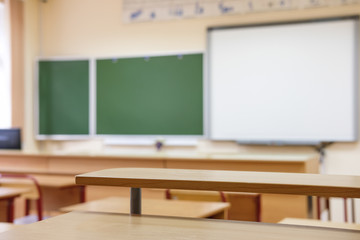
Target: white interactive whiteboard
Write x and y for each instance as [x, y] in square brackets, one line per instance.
[288, 82]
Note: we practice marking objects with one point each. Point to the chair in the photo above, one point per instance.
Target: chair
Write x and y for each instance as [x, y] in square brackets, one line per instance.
[323, 204]
[25, 181]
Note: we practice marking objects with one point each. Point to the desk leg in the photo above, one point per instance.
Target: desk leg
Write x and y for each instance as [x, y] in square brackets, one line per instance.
[135, 200]
[82, 194]
[310, 207]
[10, 210]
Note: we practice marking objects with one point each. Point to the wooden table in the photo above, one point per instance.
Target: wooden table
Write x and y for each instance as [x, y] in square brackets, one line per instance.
[6, 226]
[61, 186]
[318, 223]
[160, 207]
[7, 195]
[44, 181]
[232, 181]
[57, 191]
[94, 226]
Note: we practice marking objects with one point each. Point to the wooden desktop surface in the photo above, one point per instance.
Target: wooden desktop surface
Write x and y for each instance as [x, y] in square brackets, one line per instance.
[52, 181]
[7, 196]
[232, 181]
[6, 226]
[319, 223]
[160, 207]
[8, 192]
[94, 226]
[57, 191]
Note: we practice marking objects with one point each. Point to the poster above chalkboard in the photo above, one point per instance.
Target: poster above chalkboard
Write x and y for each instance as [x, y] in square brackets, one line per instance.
[162, 10]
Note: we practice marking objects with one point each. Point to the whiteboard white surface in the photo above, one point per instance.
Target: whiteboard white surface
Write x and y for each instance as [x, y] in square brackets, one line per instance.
[293, 82]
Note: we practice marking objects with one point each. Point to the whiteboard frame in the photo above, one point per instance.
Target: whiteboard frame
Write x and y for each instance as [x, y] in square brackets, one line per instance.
[356, 19]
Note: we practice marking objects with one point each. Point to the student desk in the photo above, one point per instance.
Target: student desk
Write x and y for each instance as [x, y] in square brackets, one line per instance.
[232, 181]
[57, 191]
[318, 223]
[94, 226]
[6, 226]
[7, 197]
[72, 164]
[159, 207]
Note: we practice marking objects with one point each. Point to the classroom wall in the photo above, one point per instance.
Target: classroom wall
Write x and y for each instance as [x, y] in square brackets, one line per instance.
[17, 53]
[94, 28]
[31, 50]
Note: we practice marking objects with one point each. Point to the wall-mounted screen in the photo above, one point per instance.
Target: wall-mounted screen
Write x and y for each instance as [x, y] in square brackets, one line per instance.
[287, 82]
[10, 138]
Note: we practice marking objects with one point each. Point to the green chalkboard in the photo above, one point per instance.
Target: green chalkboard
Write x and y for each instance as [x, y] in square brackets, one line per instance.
[63, 97]
[160, 95]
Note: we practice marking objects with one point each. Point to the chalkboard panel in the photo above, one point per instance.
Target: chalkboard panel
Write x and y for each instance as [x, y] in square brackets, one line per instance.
[160, 95]
[63, 97]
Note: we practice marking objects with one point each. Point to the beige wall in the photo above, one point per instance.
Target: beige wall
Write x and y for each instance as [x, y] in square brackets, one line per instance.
[94, 28]
[31, 50]
[17, 63]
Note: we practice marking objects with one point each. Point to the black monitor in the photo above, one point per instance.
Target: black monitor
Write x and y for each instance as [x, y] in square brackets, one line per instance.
[10, 138]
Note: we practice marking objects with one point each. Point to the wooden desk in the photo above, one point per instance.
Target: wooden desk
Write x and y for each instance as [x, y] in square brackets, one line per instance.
[80, 225]
[6, 226]
[57, 191]
[318, 223]
[52, 181]
[6, 192]
[7, 196]
[231, 181]
[160, 207]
